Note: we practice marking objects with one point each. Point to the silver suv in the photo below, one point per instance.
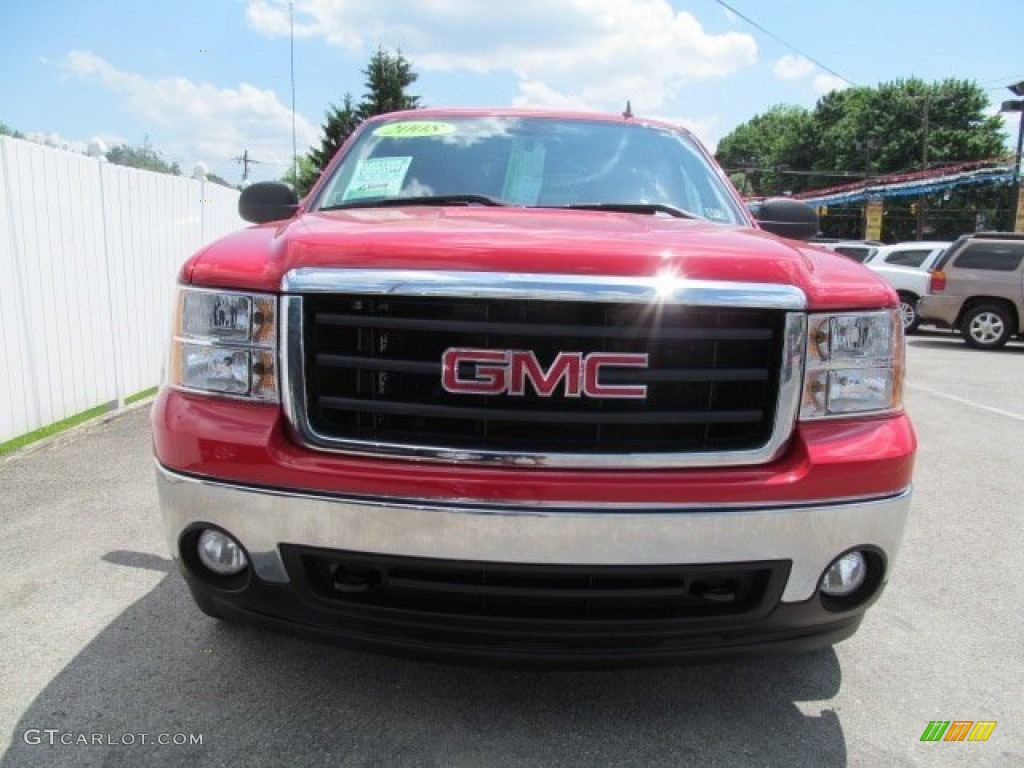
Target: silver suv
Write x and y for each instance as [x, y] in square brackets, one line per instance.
[977, 286]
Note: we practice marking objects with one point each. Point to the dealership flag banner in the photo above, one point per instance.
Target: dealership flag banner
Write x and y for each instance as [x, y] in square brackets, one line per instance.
[873, 220]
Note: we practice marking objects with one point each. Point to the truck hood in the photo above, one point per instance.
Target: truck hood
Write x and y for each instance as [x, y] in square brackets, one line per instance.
[527, 240]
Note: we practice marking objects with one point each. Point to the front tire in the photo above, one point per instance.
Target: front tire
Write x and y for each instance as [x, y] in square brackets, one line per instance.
[987, 326]
[908, 311]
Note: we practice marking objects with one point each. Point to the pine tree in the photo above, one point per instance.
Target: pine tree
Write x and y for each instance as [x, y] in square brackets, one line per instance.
[387, 77]
[341, 122]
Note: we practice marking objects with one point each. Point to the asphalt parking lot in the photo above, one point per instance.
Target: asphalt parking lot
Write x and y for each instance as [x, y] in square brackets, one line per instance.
[101, 639]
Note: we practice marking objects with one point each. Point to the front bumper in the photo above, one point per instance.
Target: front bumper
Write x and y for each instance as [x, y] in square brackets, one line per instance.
[795, 542]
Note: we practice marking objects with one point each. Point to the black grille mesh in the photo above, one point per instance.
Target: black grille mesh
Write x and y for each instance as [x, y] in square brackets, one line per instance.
[373, 373]
[446, 588]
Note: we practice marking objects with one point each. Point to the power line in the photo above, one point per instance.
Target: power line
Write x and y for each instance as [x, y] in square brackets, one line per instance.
[791, 47]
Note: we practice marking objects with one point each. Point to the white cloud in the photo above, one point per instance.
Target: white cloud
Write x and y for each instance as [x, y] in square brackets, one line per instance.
[206, 122]
[707, 129]
[541, 96]
[825, 82]
[793, 67]
[587, 53]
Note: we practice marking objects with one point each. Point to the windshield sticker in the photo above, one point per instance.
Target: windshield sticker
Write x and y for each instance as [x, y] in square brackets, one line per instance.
[378, 177]
[525, 172]
[414, 129]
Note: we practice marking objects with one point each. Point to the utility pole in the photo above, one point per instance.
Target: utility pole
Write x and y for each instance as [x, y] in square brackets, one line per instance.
[865, 146]
[246, 161]
[924, 165]
[1017, 105]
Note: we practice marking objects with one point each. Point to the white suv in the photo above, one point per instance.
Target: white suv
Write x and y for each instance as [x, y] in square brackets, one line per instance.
[858, 250]
[905, 267]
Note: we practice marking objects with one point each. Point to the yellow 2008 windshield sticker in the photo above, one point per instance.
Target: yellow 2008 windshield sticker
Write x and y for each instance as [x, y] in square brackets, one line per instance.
[414, 129]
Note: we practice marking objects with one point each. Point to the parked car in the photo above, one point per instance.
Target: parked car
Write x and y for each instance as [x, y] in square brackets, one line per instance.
[533, 386]
[858, 250]
[976, 287]
[905, 266]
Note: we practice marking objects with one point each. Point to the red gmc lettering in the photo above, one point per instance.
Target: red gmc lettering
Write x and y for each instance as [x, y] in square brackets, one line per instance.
[489, 374]
[524, 366]
[592, 378]
[498, 372]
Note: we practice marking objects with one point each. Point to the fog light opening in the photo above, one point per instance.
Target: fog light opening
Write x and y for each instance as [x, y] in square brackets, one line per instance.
[845, 575]
[852, 579]
[220, 554]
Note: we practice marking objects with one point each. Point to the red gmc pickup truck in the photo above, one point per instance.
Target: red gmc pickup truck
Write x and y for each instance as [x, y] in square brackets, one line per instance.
[537, 387]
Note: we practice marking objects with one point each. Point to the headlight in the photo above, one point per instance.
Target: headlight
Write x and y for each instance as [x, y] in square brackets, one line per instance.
[225, 342]
[854, 365]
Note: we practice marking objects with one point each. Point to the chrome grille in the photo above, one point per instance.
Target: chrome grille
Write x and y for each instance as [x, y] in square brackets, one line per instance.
[718, 379]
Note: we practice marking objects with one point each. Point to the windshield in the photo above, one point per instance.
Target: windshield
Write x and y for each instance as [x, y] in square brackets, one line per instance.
[531, 161]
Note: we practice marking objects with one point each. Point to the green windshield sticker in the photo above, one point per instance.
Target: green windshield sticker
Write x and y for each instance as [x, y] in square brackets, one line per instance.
[378, 177]
[414, 129]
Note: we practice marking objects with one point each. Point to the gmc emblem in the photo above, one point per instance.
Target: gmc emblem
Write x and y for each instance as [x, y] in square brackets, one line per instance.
[507, 371]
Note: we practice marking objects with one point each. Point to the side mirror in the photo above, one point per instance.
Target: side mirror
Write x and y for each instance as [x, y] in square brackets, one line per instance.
[267, 201]
[786, 217]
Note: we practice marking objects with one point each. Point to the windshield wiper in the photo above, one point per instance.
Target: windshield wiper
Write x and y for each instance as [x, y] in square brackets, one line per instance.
[652, 208]
[391, 202]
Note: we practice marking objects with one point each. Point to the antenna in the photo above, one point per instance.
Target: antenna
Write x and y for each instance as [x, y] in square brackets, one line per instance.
[295, 151]
[628, 114]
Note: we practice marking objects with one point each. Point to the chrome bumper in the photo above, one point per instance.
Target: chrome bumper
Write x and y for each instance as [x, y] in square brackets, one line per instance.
[809, 535]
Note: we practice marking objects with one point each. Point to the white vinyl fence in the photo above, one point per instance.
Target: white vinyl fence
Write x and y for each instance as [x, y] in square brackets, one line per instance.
[89, 253]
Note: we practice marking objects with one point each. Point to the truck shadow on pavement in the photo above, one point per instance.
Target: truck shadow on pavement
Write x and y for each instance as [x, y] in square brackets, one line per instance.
[262, 698]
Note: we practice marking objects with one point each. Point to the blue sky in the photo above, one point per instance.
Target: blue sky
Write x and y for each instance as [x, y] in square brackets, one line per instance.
[206, 79]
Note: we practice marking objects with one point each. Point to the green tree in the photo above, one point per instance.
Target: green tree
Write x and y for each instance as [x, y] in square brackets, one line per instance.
[340, 124]
[143, 156]
[218, 180]
[769, 144]
[305, 177]
[897, 124]
[387, 78]
[741, 181]
[6, 130]
[864, 131]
